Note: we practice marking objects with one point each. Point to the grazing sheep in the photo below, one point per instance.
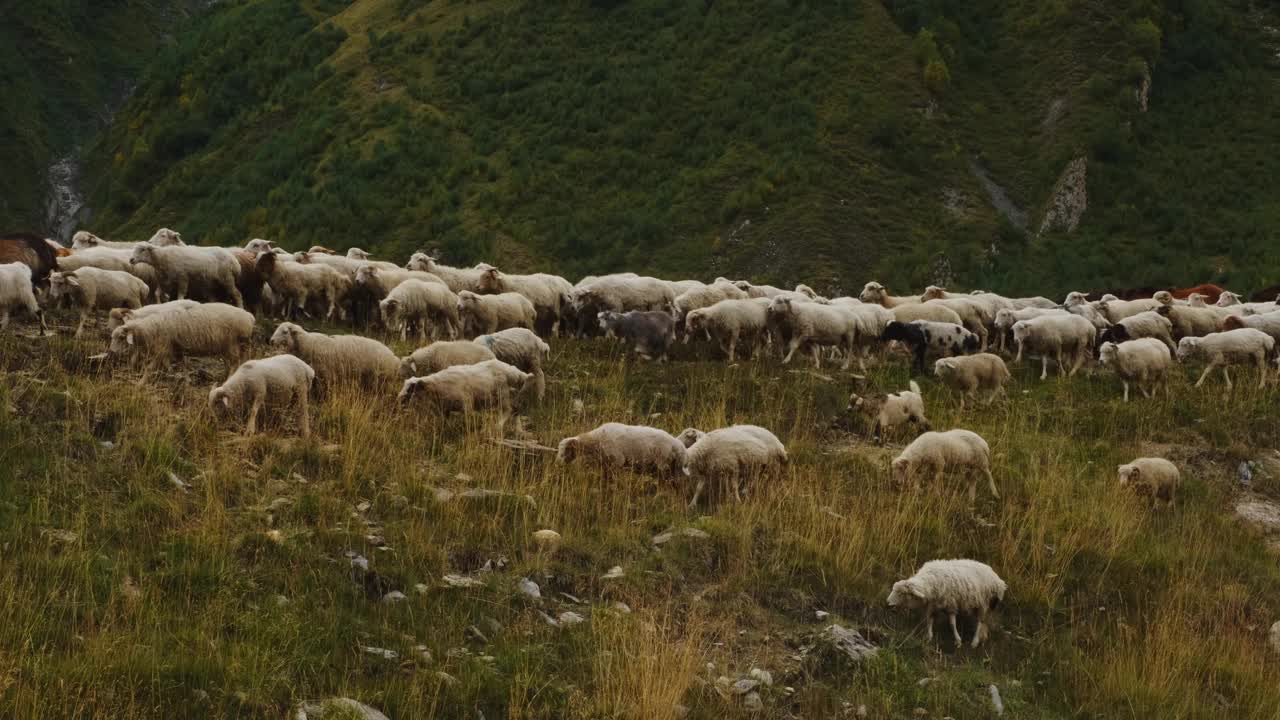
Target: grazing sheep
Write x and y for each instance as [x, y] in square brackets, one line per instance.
[940, 451]
[281, 380]
[480, 314]
[731, 456]
[1155, 476]
[1268, 323]
[815, 326]
[968, 374]
[1232, 347]
[458, 279]
[924, 337]
[180, 267]
[30, 250]
[1055, 335]
[953, 586]
[491, 384]
[339, 358]
[92, 289]
[891, 410]
[874, 292]
[208, 329]
[614, 445]
[548, 293]
[297, 286]
[1193, 321]
[729, 321]
[16, 291]
[1150, 324]
[651, 332]
[421, 303]
[521, 348]
[442, 354]
[1144, 362]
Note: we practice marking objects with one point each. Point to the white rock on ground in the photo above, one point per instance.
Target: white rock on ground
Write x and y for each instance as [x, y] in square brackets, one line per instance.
[529, 588]
[335, 708]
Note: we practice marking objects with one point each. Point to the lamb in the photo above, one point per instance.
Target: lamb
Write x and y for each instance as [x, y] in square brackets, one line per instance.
[924, 337]
[92, 289]
[1268, 323]
[521, 348]
[1154, 476]
[16, 291]
[1193, 321]
[814, 325]
[617, 446]
[280, 381]
[1232, 347]
[651, 332]
[480, 314]
[1150, 324]
[874, 292]
[729, 321]
[734, 456]
[954, 586]
[891, 410]
[442, 354]
[423, 303]
[297, 285]
[210, 329]
[179, 267]
[120, 316]
[548, 293]
[339, 358]
[458, 279]
[491, 384]
[1144, 361]
[939, 451]
[1055, 335]
[973, 372]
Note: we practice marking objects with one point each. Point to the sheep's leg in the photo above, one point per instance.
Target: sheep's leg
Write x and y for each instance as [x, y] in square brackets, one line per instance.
[1226, 375]
[1079, 362]
[962, 397]
[733, 346]
[40, 317]
[928, 622]
[1126, 389]
[980, 633]
[182, 287]
[4, 320]
[304, 415]
[236, 296]
[1208, 369]
[1057, 356]
[697, 493]
[1018, 359]
[955, 632]
[737, 488]
[540, 382]
[991, 482]
[817, 357]
[404, 330]
[791, 349]
[1145, 392]
[80, 328]
[862, 359]
[251, 427]
[973, 489]
[876, 433]
[1262, 370]
[1044, 366]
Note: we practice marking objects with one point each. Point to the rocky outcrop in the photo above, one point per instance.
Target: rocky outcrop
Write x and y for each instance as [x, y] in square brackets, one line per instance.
[1070, 198]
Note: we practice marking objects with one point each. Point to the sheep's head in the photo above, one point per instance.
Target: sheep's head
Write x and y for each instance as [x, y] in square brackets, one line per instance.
[366, 274]
[1197, 300]
[1020, 331]
[1117, 333]
[906, 594]
[944, 367]
[83, 240]
[490, 279]
[286, 336]
[1228, 298]
[1004, 319]
[467, 300]
[409, 390]
[218, 400]
[165, 237]
[1164, 297]
[389, 308]
[567, 451]
[356, 253]
[609, 321]
[320, 249]
[971, 343]
[118, 317]
[1109, 297]
[143, 253]
[694, 321]
[258, 246]
[873, 292]
[689, 436]
[806, 291]
[408, 367]
[60, 284]
[1108, 352]
[1128, 474]
[420, 261]
[1074, 299]
[1187, 347]
[743, 285]
[266, 263]
[900, 471]
[933, 292]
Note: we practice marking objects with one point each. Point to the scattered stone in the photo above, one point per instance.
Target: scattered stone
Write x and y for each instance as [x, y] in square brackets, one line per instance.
[1245, 473]
[821, 614]
[848, 643]
[1275, 636]
[862, 711]
[279, 504]
[764, 676]
[492, 565]
[461, 581]
[442, 495]
[485, 494]
[745, 685]
[358, 560]
[130, 590]
[179, 483]
[529, 588]
[667, 536]
[570, 617]
[298, 478]
[199, 696]
[106, 445]
[549, 620]
[924, 682]
[996, 703]
[1264, 514]
[920, 712]
[463, 478]
[547, 540]
[336, 709]
[393, 597]
[376, 540]
[378, 652]
[621, 607]
[752, 702]
[578, 409]
[614, 573]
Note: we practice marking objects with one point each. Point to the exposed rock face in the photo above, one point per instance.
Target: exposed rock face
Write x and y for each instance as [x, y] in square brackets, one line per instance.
[1142, 93]
[1070, 198]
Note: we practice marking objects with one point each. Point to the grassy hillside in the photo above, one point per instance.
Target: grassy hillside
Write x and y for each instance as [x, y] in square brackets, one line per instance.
[775, 140]
[125, 596]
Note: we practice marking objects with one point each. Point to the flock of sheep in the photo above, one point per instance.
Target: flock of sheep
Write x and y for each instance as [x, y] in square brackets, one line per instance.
[166, 300]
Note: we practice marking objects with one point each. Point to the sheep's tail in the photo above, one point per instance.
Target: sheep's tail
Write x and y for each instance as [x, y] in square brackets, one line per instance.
[915, 387]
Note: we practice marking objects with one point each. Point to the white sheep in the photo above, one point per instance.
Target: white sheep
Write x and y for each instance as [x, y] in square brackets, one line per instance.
[759, 291]
[547, 292]
[941, 451]
[92, 289]
[207, 329]
[442, 354]
[1268, 323]
[120, 316]
[617, 446]
[110, 258]
[83, 240]
[729, 321]
[970, 373]
[975, 315]
[480, 314]
[732, 456]
[339, 358]
[491, 385]
[621, 294]
[706, 296]
[1144, 362]
[874, 292]
[1117, 310]
[279, 381]
[458, 279]
[891, 410]
[422, 303]
[179, 267]
[1006, 317]
[299, 286]
[1055, 335]
[932, 312]
[815, 326]
[521, 348]
[1232, 347]
[1194, 321]
[16, 292]
[1149, 324]
[953, 586]
[1155, 476]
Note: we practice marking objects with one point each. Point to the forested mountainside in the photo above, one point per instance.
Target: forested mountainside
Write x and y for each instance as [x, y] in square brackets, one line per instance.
[1019, 145]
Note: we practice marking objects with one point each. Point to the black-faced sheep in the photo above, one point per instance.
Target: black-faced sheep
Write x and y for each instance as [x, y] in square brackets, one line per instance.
[616, 446]
[953, 586]
[1150, 324]
[925, 337]
[278, 381]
